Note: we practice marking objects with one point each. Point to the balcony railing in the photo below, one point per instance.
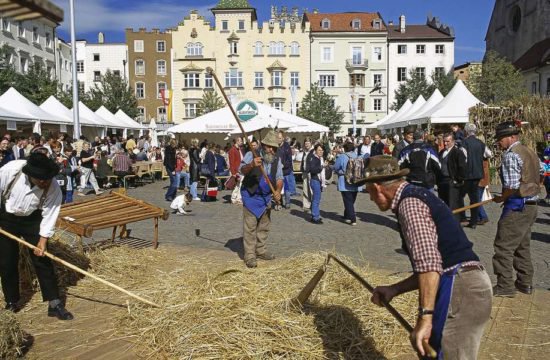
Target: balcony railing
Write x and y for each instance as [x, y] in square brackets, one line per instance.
[357, 64]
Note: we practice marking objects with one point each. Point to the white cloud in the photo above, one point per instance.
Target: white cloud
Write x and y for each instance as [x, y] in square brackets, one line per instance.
[98, 15]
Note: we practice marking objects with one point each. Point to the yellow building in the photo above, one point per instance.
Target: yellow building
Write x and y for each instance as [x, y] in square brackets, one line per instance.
[256, 61]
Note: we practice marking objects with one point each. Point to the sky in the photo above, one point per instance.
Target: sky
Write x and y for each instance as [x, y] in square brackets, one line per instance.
[469, 18]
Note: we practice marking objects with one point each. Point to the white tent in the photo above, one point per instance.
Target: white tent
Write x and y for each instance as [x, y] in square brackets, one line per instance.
[89, 117]
[10, 115]
[452, 109]
[125, 119]
[428, 105]
[381, 121]
[404, 109]
[24, 109]
[121, 121]
[390, 124]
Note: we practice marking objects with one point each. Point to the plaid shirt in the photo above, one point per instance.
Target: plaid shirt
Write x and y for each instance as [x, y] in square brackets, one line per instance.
[122, 163]
[511, 168]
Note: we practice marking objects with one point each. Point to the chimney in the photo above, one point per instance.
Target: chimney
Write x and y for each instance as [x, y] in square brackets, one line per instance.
[100, 38]
[402, 24]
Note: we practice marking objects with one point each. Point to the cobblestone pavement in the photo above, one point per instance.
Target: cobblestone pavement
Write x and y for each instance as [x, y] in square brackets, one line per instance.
[374, 239]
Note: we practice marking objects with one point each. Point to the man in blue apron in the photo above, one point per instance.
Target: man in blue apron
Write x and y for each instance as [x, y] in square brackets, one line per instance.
[520, 174]
[256, 196]
[454, 290]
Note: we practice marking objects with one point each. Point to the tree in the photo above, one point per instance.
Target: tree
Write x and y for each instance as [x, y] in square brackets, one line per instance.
[210, 101]
[318, 106]
[37, 84]
[415, 85]
[114, 93]
[498, 81]
[444, 83]
[8, 76]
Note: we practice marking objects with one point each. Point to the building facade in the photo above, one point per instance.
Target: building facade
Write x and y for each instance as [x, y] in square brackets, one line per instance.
[429, 49]
[349, 61]
[64, 69]
[257, 61]
[150, 72]
[93, 60]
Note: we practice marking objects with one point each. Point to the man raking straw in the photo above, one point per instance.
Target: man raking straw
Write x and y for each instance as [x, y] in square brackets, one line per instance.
[454, 289]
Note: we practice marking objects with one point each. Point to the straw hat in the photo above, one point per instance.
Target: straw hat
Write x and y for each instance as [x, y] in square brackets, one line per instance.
[381, 168]
[39, 166]
[271, 139]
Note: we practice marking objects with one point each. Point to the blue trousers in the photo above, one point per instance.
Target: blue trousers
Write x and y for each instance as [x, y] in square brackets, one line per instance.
[482, 215]
[185, 176]
[288, 188]
[193, 189]
[349, 198]
[316, 199]
[173, 188]
[291, 183]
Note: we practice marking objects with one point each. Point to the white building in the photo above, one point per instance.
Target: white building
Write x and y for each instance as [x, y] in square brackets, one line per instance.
[94, 60]
[428, 48]
[64, 67]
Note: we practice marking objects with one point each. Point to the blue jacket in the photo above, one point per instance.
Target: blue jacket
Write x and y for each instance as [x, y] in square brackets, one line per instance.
[340, 168]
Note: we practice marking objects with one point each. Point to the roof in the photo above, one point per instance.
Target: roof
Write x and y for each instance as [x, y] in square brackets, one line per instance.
[342, 22]
[233, 4]
[537, 55]
[416, 32]
[468, 64]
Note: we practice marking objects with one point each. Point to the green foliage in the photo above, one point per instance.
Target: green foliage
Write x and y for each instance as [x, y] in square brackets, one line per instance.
[318, 106]
[114, 93]
[233, 4]
[37, 84]
[442, 82]
[412, 88]
[8, 76]
[498, 81]
[210, 101]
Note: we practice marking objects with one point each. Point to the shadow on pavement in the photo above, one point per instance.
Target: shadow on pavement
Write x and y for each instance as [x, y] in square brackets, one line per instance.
[545, 238]
[377, 219]
[236, 245]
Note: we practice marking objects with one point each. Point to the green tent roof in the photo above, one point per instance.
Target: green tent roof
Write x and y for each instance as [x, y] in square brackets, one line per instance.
[233, 4]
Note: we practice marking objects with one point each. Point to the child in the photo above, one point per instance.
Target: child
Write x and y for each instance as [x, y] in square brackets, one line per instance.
[180, 203]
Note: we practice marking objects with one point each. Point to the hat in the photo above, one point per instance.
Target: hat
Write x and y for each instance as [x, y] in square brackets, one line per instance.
[270, 139]
[381, 168]
[506, 128]
[39, 166]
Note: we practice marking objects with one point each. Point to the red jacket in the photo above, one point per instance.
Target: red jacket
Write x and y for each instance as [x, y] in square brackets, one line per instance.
[235, 157]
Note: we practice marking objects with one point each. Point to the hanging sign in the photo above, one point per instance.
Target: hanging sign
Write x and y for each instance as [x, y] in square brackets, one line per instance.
[247, 110]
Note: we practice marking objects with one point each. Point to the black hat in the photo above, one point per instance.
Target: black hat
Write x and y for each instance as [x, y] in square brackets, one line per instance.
[507, 128]
[39, 166]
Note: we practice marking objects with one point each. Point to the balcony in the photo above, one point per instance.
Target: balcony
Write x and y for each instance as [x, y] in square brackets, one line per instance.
[356, 65]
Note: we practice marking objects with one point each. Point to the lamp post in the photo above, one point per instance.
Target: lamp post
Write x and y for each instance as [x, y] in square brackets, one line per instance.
[353, 100]
[124, 67]
[76, 119]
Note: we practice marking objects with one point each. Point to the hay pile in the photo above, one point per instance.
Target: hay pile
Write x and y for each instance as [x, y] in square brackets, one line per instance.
[213, 311]
[11, 336]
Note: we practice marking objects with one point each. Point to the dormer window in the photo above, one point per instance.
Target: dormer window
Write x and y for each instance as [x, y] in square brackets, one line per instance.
[377, 24]
[356, 24]
[325, 24]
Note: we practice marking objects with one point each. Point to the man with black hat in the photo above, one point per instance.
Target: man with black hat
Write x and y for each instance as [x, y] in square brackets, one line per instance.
[30, 205]
[520, 176]
[256, 196]
[454, 289]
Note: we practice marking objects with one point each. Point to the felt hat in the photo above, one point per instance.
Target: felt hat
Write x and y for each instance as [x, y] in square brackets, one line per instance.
[507, 128]
[39, 166]
[381, 168]
[270, 139]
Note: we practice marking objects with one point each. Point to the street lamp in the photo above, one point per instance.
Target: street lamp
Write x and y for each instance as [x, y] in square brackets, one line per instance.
[124, 67]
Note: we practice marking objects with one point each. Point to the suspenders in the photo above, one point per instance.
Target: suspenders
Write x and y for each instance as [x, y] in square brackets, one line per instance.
[7, 192]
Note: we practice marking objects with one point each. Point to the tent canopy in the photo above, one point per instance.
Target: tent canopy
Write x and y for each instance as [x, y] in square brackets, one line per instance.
[381, 121]
[432, 101]
[390, 124]
[88, 115]
[404, 108]
[121, 122]
[132, 124]
[24, 109]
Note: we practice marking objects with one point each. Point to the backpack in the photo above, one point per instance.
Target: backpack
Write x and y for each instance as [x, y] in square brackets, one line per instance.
[354, 170]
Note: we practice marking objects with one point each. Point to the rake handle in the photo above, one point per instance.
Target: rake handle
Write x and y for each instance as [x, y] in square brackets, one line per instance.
[456, 211]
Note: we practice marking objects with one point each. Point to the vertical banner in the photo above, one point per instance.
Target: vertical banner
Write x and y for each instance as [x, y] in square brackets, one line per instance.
[293, 99]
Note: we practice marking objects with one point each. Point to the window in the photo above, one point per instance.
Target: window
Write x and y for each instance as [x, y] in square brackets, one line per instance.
[295, 79]
[421, 72]
[161, 113]
[97, 75]
[5, 25]
[258, 79]
[326, 54]
[276, 48]
[161, 67]
[277, 105]
[277, 78]
[401, 74]
[208, 81]
[96, 57]
[420, 49]
[138, 45]
[140, 90]
[401, 49]
[356, 24]
[258, 48]
[325, 24]
[327, 80]
[357, 80]
[377, 79]
[377, 54]
[534, 87]
[233, 48]
[141, 114]
[377, 24]
[294, 48]
[191, 80]
[234, 78]
[190, 110]
[161, 46]
[81, 87]
[66, 67]
[35, 36]
[377, 105]
[20, 30]
[440, 49]
[225, 25]
[241, 24]
[116, 73]
[361, 104]
[80, 66]
[439, 72]
[194, 49]
[49, 70]
[140, 67]
[24, 64]
[48, 41]
[357, 55]
[161, 88]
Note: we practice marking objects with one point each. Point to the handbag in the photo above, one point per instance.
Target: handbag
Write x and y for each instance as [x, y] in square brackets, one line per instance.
[230, 183]
[486, 194]
[205, 170]
[210, 192]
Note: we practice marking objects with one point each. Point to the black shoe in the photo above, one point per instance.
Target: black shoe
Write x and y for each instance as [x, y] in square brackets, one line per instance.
[318, 221]
[11, 306]
[471, 226]
[483, 222]
[526, 289]
[59, 312]
[499, 292]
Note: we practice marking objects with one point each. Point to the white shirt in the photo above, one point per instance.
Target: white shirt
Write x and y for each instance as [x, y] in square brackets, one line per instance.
[25, 199]
[365, 149]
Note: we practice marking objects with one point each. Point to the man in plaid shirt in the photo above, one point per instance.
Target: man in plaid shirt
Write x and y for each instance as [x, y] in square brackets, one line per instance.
[446, 271]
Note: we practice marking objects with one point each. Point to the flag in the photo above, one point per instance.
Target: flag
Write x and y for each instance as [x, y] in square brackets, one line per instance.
[170, 94]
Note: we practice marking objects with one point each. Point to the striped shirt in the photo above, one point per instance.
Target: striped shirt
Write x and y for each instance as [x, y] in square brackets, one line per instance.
[122, 163]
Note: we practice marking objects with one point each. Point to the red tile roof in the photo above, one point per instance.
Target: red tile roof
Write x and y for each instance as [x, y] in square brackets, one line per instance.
[342, 22]
[416, 32]
[538, 54]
